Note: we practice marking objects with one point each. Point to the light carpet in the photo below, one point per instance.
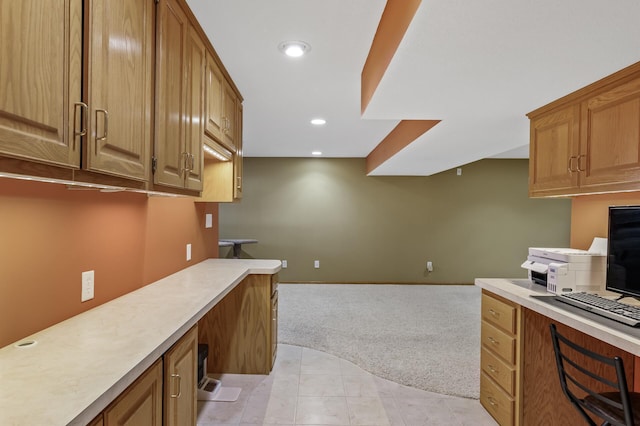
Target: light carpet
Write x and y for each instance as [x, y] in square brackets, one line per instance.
[424, 336]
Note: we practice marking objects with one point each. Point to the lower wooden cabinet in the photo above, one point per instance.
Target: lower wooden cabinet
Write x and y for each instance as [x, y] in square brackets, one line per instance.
[165, 394]
[141, 403]
[500, 359]
[180, 375]
[239, 330]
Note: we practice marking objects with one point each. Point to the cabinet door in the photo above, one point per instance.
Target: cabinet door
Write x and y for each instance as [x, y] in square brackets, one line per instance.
[180, 372]
[41, 80]
[610, 145]
[553, 164]
[141, 403]
[195, 110]
[171, 37]
[119, 87]
[238, 157]
[214, 95]
[229, 117]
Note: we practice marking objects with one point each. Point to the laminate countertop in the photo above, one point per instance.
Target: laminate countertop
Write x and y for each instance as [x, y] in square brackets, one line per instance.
[535, 297]
[77, 367]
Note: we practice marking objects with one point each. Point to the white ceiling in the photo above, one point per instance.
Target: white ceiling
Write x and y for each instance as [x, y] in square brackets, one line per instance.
[479, 66]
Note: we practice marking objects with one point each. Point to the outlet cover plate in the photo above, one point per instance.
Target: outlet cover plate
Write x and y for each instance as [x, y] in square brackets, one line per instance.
[87, 286]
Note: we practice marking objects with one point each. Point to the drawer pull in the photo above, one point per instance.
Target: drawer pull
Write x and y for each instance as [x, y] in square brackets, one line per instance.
[492, 401]
[494, 313]
[492, 368]
[493, 341]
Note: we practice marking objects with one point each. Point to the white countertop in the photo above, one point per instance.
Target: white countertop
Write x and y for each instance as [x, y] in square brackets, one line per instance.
[520, 290]
[77, 367]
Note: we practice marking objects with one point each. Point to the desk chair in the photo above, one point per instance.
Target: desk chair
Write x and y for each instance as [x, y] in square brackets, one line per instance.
[617, 407]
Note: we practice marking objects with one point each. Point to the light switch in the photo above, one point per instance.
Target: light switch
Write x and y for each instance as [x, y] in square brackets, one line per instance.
[188, 252]
[208, 220]
[87, 286]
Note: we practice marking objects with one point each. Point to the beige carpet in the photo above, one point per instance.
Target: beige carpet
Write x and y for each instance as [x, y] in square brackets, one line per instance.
[425, 336]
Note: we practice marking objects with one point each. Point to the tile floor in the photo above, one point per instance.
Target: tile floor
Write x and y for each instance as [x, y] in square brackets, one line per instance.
[308, 387]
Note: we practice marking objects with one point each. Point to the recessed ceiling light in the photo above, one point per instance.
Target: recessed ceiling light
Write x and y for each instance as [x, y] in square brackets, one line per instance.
[318, 121]
[294, 49]
[316, 153]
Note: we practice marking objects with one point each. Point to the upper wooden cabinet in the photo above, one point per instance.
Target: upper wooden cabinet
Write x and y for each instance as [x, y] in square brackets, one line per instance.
[214, 90]
[588, 141]
[181, 59]
[41, 80]
[119, 87]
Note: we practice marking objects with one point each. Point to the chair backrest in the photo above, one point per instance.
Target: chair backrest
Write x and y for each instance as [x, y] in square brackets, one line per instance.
[578, 382]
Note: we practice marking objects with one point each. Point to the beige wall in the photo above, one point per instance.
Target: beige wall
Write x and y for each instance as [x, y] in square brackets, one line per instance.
[384, 229]
[49, 235]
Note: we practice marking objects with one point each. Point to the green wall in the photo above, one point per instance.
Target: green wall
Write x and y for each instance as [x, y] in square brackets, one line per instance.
[384, 229]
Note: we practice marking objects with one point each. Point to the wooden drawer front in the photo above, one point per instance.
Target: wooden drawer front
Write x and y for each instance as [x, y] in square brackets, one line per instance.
[499, 342]
[496, 401]
[498, 370]
[499, 313]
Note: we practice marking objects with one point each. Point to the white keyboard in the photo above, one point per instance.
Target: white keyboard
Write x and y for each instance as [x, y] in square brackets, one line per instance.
[612, 309]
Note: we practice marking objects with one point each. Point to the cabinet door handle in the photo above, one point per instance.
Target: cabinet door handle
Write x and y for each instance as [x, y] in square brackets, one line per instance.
[239, 185]
[193, 161]
[492, 401]
[492, 369]
[494, 313]
[106, 125]
[493, 341]
[83, 130]
[185, 162]
[177, 376]
[570, 168]
[580, 169]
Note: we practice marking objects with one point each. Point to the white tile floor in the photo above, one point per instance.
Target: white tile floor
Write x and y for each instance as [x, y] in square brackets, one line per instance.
[308, 387]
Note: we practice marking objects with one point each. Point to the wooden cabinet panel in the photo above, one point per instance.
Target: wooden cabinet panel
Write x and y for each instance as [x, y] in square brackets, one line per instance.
[180, 376]
[119, 84]
[499, 313]
[238, 328]
[501, 372]
[141, 403]
[553, 151]
[179, 100]
[230, 102]
[500, 405]
[610, 147]
[40, 80]
[195, 110]
[238, 158]
[214, 99]
[171, 85]
[499, 342]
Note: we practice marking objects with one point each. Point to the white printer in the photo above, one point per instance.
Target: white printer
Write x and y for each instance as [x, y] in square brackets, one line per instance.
[565, 270]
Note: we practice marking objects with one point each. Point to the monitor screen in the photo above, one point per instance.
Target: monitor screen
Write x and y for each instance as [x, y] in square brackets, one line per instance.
[623, 250]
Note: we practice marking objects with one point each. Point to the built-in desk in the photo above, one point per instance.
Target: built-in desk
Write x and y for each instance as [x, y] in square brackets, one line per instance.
[541, 401]
[79, 366]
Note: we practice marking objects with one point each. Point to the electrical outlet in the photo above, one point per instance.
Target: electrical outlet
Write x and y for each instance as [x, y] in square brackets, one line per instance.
[316, 264]
[87, 286]
[284, 264]
[208, 220]
[429, 266]
[188, 252]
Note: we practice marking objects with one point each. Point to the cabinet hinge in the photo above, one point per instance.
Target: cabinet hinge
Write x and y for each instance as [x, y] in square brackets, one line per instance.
[154, 164]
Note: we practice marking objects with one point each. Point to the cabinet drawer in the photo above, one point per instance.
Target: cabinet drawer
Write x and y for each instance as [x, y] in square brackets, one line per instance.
[498, 342]
[499, 313]
[498, 370]
[500, 405]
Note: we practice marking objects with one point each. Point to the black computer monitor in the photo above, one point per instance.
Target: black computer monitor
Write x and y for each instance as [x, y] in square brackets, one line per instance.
[623, 250]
